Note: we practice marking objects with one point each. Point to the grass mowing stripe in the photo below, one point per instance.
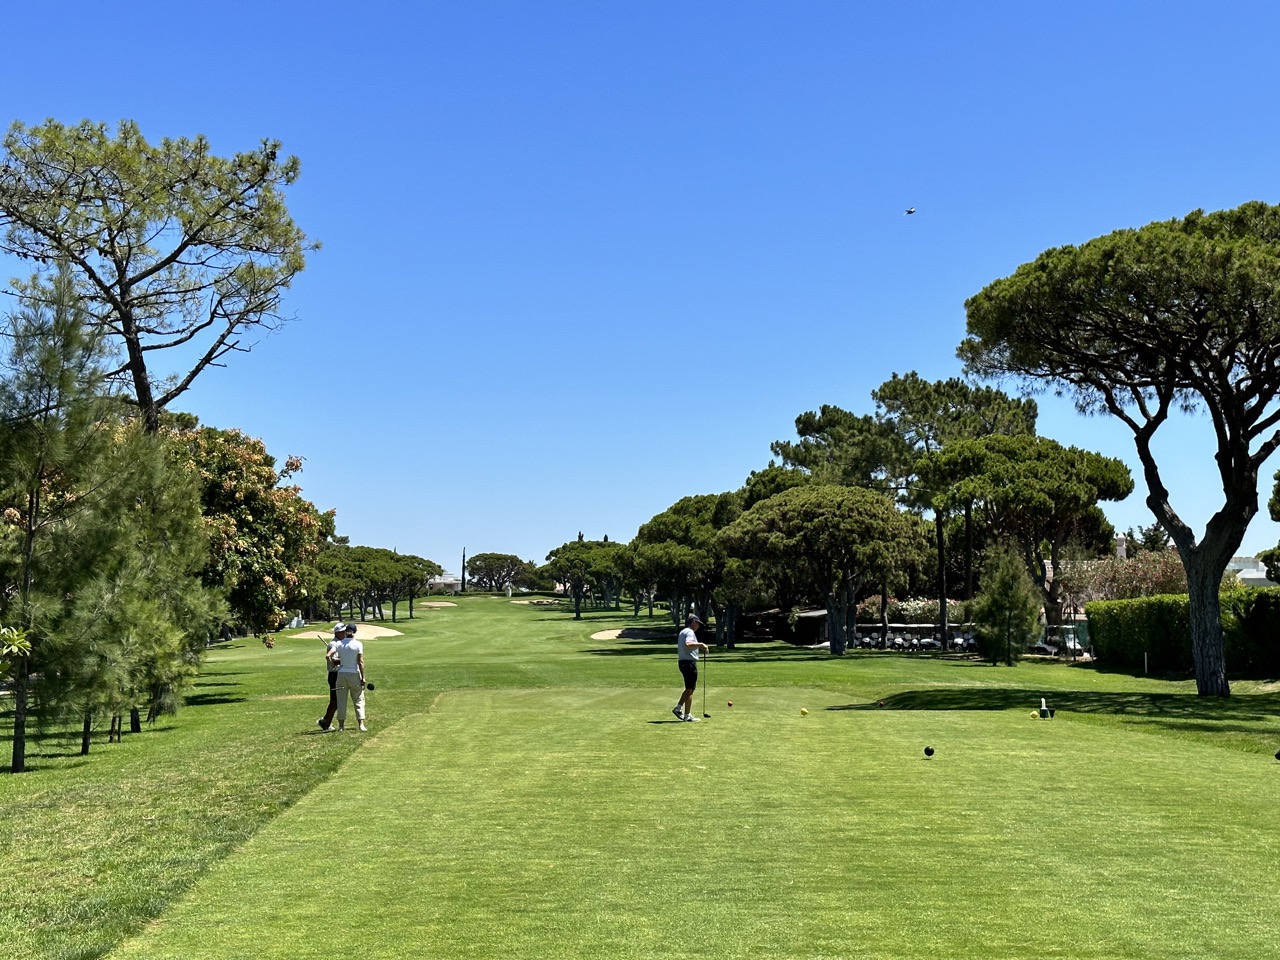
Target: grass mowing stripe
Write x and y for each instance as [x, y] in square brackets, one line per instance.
[571, 823]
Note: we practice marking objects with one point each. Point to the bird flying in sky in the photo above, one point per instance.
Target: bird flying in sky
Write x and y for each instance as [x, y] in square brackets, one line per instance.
[909, 211]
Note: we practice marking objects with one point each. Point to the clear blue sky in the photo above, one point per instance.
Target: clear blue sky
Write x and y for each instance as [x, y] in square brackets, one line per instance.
[582, 259]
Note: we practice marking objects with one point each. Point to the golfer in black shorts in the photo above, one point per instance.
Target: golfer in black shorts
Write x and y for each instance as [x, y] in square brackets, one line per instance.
[325, 723]
[688, 646]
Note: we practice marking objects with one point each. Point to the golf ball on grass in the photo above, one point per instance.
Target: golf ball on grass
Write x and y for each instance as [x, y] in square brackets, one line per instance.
[928, 751]
[804, 712]
[731, 703]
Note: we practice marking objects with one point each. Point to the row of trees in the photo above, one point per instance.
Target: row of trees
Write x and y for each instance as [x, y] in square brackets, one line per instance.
[1177, 316]
[128, 533]
[908, 498]
[367, 579]
[124, 551]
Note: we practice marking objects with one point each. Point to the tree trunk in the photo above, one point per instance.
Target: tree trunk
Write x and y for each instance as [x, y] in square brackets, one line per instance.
[841, 613]
[884, 611]
[1203, 580]
[835, 624]
[137, 366]
[135, 720]
[942, 577]
[86, 731]
[21, 694]
[968, 550]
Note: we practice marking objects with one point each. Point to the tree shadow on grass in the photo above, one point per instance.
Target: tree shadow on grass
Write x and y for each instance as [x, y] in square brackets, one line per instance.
[210, 699]
[645, 649]
[641, 642]
[1172, 707]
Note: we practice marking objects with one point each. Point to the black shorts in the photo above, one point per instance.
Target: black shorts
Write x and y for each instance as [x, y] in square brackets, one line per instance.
[689, 670]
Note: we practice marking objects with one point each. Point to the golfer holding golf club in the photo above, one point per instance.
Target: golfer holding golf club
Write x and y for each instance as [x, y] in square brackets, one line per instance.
[325, 723]
[688, 646]
[350, 680]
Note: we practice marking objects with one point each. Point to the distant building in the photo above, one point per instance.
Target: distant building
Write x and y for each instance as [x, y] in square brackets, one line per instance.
[1250, 571]
[445, 583]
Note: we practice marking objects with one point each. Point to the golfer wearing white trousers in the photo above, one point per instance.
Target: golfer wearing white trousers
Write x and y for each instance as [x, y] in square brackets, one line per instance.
[350, 680]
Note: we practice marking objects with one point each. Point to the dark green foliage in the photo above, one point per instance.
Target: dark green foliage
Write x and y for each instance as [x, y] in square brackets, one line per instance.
[1006, 608]
[1178, 315]
[1033, 491]
[365, 578]
[1251, 630]
[1123, 631]
[824, 543]
[497, 571]
[680, 552]
[167, 244]
[763, 484]
[100, 536]
[262, 532]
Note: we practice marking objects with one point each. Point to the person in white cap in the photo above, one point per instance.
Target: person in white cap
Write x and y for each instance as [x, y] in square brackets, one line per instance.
[350, 683]
[687, 648]
[325, 723]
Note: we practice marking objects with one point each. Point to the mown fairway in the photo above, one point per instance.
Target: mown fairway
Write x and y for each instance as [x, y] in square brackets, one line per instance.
[524, 792]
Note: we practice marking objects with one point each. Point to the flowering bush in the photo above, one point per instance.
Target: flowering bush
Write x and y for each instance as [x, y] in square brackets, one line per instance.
[911, 611]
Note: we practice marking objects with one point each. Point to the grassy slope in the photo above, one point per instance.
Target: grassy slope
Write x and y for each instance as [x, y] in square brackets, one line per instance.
[520, 795]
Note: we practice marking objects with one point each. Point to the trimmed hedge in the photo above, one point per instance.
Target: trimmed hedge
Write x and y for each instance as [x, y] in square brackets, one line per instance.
[1121, 631]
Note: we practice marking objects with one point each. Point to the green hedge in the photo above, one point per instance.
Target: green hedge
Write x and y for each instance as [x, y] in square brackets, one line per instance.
[1122, 631]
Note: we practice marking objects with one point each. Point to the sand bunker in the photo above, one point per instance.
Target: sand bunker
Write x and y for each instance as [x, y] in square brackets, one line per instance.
[536, 602]
[434, 603]
[364, 631]
[634, 633]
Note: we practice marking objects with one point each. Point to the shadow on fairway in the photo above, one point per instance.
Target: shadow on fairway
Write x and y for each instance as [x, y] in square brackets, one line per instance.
[744, 652]
[209, 699]
[1170, 706]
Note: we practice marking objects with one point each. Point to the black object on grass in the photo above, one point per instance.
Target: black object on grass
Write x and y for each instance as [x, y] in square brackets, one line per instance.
[928, 751]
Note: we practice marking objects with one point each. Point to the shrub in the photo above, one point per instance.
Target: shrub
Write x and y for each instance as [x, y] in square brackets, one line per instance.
[1251, 628]
[1007, 608]
[911, 611]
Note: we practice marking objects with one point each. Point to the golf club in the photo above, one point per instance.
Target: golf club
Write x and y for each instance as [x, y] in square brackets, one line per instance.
[706, 672]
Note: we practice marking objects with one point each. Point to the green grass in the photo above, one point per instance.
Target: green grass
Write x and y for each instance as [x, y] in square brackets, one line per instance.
[521, 793]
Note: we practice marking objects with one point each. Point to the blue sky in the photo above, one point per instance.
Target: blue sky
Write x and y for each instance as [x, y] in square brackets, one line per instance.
[582, 259]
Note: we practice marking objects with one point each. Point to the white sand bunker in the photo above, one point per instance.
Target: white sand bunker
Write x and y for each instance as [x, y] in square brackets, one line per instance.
[633, 633]
[535, 602]
[364, 631]
[435, 603]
